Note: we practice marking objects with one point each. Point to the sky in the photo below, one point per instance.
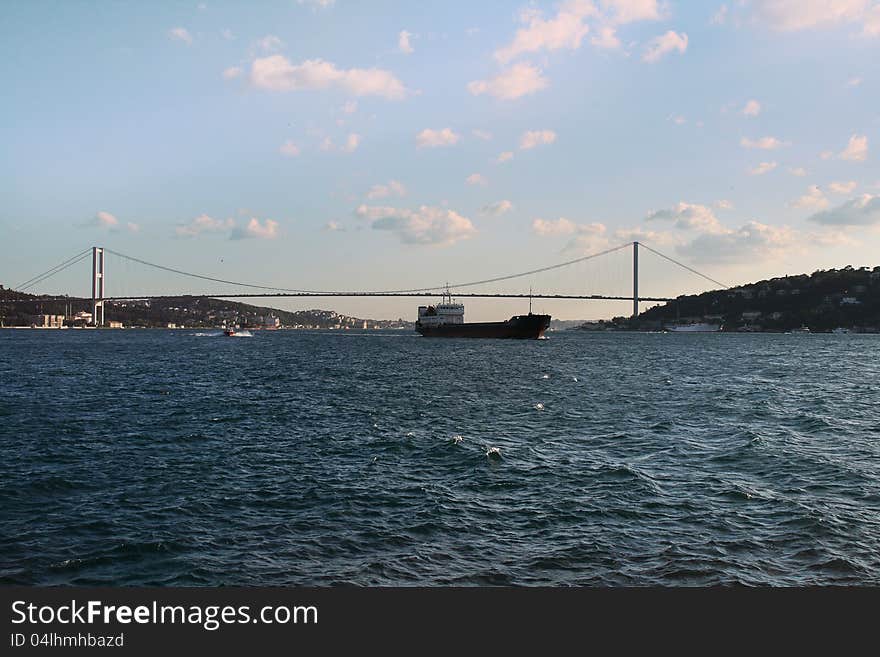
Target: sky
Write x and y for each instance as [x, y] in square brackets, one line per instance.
[320, 144]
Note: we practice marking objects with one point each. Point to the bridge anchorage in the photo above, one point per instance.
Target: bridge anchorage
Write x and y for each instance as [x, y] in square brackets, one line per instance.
[100, 296]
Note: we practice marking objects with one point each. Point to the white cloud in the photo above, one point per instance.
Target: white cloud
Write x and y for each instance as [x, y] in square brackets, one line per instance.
[106, 220]
[204, 224]
[753, 240]
[762, 168]
[427, 225]
[232, 72]
[506, 156]
[663, 44]
[268, 230]
[517, 81]
[871, 26]
[476, 179]
[276, 73]
[720, 16]
[566, 30]
[856, 149]
[481, 134]
[797, 171]
[639, 234]
[606, 39]
[317, 4]
[689, 216]
[724, 204]
[497, 209]
[393, 188]
[582, 245]
[764, 143]
[831, 237]
[180, 34]
[752, 108]
[289, 149]
[561, 226]
[269, 43]
[352, 142]
[533, 138]
[814, 199]
[589, 239]
[842, 187]
[430, 138]
[863, 210]
[403, 42]
[791, 15]
[629, 11]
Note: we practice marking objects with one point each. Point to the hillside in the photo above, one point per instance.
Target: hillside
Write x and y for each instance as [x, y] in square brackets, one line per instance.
[827, 299]
[19, 309]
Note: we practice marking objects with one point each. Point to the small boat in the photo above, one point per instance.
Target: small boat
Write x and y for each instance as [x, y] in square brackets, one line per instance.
[840, 330]
[802, 329]
[696, 327]
[229, 332]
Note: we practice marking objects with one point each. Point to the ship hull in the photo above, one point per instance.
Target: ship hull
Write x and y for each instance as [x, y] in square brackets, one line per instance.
[521, 327]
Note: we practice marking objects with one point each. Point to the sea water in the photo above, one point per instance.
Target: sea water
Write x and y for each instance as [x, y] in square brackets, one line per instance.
[181, 457]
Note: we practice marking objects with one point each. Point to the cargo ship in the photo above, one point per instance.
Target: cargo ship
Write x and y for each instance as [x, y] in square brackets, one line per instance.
[446, 320]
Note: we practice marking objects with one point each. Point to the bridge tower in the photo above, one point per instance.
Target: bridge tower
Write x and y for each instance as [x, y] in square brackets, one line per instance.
[635, 280]
[98, 285]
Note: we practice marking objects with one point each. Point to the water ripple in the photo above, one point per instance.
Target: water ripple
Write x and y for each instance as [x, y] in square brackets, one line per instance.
[297, 458]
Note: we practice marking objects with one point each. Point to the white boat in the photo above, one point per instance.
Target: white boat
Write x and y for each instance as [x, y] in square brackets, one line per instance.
[840, 329]
[696, 327]
[802, 329]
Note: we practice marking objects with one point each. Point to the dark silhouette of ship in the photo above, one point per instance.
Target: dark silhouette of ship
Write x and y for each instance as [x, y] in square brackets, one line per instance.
[446, 320]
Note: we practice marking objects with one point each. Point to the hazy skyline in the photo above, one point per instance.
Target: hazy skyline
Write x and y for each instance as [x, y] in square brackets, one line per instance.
[329, 145]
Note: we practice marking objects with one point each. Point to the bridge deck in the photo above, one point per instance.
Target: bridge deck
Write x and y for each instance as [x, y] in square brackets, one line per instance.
[264, 295]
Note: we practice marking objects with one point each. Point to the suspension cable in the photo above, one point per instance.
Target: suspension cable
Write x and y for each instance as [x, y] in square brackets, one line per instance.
[204, 278]
[418, 289]
[83, 254]
[54, 270]
[684, 266]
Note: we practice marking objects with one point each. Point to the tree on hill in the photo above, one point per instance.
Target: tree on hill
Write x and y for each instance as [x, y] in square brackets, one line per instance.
[827, 299]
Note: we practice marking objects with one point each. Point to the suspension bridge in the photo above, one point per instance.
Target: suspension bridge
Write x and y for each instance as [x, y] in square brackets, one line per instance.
[244, 289]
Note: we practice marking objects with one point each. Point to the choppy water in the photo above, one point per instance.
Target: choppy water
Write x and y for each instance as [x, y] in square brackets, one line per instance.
[166, 457]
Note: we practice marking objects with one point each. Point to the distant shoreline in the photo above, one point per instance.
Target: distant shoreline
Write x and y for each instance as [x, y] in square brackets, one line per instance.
[105, 329]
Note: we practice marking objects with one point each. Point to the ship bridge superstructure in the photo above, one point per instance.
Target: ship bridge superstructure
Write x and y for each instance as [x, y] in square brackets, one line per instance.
[445, 312]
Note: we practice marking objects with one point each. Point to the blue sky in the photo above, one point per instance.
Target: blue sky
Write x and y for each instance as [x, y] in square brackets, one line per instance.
[388, 145]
